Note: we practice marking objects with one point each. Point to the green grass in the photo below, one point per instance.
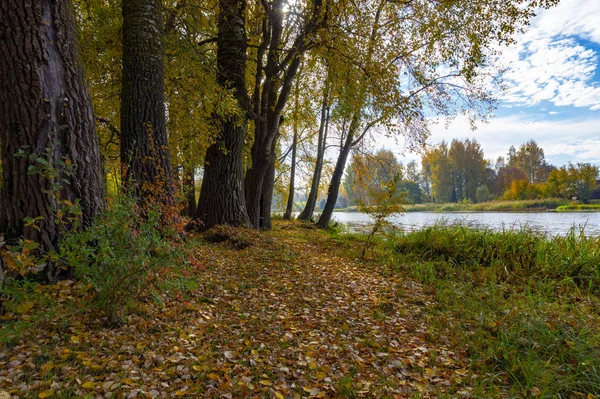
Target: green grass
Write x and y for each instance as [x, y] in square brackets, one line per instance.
[526, 307]
[579, 207]
[492, 206]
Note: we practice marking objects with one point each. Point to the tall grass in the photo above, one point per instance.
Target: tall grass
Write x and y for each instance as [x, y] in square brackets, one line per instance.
[525, 306]
[579, 207]
[491, 206]
[523, 253]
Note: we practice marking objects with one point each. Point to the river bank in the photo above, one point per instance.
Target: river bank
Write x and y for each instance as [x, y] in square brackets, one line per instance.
[299, 312]
[542, 205]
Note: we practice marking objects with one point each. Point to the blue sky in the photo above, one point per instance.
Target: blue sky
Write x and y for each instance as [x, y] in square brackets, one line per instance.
[553, 92]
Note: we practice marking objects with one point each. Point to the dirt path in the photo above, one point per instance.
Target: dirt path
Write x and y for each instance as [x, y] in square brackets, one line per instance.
[299, 319]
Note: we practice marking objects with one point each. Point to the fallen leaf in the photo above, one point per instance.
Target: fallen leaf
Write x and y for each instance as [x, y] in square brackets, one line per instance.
[462, 372]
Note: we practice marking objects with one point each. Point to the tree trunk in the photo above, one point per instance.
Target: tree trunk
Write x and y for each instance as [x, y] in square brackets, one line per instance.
[266, 199]
[222, 194]
[290, 202]
[46, 122]
[189, 188]
[313, 194]
[336, 179]
[279, 73]
[144, 143]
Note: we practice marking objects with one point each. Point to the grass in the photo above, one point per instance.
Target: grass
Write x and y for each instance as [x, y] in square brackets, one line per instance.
[525, 306]
[579, 207]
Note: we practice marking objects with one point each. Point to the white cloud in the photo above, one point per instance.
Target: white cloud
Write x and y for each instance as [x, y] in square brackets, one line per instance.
[563, 141]
[550, 63]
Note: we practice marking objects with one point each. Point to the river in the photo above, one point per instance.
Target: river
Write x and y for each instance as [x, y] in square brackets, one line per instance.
[548, 223]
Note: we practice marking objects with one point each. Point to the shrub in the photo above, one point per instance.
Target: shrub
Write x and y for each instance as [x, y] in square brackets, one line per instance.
[119, 253]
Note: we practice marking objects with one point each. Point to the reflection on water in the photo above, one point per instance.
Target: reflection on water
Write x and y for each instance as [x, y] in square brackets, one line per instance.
[549, 223]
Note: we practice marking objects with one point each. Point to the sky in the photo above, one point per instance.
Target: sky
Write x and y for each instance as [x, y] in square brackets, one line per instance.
[553, 94]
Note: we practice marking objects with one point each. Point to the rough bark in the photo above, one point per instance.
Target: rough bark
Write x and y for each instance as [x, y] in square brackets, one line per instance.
[144, 143]
[46, 116]
[311, 201]
[222, 193]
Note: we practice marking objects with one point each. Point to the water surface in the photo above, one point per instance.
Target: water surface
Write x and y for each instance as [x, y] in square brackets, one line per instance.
[549, 223]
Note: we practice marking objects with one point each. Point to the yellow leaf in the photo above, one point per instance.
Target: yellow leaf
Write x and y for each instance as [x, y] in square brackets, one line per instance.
[278, 395]
[213, 376]
[47, 367]
[181, 393]
[24, 307]
[265, 382]
[45, 394]
[197, 368]
[89, 385]
[75, 339]
[461, 372]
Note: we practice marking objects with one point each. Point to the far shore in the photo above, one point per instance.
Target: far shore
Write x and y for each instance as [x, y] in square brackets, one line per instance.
[543, 205]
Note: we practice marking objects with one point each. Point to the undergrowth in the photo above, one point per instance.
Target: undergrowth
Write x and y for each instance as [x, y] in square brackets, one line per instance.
[525, 306]
[116, 261]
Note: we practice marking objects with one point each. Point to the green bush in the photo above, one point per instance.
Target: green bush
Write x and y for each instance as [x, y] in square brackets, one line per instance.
[118, 254]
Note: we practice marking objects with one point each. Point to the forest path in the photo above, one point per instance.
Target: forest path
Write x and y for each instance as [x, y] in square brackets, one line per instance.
[295, 314]
[288, 313]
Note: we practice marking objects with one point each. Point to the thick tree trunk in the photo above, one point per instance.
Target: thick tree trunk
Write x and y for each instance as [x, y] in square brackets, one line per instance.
[144, 143]
[46, 122]
[222, 194]
[290, 202]
[313, 194]
[336, 179]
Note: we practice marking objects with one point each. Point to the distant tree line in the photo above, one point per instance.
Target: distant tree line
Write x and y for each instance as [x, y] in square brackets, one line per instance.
[459, 172]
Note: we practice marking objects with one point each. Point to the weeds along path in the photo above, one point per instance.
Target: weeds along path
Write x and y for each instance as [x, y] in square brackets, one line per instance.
[295, 317]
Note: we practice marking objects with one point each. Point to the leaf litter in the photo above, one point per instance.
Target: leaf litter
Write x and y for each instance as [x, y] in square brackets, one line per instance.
[293, 314]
